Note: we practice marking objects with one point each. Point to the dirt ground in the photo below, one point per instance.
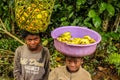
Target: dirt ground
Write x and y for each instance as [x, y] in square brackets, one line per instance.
[106, 74]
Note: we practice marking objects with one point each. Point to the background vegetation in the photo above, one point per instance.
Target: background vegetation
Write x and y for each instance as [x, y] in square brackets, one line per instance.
[102, 16]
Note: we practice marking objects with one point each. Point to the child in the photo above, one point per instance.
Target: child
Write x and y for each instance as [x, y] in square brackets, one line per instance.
[71, 71]
[31, 61]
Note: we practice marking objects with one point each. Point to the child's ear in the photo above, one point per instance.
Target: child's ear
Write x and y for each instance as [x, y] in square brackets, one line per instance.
[81, 61]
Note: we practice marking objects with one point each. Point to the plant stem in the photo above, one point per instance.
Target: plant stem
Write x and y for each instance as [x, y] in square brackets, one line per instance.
[8, 33]
[3, 24]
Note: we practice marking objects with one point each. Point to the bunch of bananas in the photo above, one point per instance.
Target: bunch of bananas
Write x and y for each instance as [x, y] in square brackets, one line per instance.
[67, 38]
[33, 15]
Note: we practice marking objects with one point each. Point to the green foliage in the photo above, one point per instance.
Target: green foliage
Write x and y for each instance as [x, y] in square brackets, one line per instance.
[109, 44]
[6, 78]
[110, 36]
[107, 6]
[56, 59]
[7, 13]
[102, 7]
[100, 15]
[92, 14]
[7, 48]
[110, 9]
[90, 64]
[96, 21]
[6, 63]
[80, 2]
[114, 58]
[95, 18]
[9, 44]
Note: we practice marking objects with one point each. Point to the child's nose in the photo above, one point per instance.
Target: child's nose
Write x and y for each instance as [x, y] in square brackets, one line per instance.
[72, 64]
[32, 41]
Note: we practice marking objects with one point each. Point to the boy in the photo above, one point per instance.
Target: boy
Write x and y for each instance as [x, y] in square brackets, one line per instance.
[31, 61]
[71, 71]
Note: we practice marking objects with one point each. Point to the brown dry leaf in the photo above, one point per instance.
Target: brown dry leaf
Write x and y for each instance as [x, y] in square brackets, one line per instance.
[101, 68]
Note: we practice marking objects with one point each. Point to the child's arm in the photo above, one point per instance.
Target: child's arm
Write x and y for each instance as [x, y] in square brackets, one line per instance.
[17, 66]
[47, 65]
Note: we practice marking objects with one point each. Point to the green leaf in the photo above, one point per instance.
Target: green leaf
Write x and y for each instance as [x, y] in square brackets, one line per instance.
[7, 24]
[70, 8]
[102, 7]
[45, 42]
[57, 6]
[110, 9]
[75, 21]
[118, 5]
[96, 21]
[63, 19]
[71, 14]
[79, 2]
[87, 23]
[92, 13]
[65, 23]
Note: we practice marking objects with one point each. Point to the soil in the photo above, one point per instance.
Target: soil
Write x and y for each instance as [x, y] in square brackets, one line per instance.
[106, 74]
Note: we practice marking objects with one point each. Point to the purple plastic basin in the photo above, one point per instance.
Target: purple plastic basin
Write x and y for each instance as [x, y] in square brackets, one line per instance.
[75, 50]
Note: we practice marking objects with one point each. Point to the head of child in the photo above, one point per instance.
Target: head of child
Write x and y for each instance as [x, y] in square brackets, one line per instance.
[32, 40]
[73, 63]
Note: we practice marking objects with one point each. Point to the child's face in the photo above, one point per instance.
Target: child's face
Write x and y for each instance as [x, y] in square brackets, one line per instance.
[73, 64]
[32, 41]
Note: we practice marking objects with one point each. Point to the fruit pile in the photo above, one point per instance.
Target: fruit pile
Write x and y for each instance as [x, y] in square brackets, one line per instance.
[67, 38]
[33, 15]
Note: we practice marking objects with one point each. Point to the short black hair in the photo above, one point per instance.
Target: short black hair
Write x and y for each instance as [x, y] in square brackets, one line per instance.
[66, 56]
[26, 33]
